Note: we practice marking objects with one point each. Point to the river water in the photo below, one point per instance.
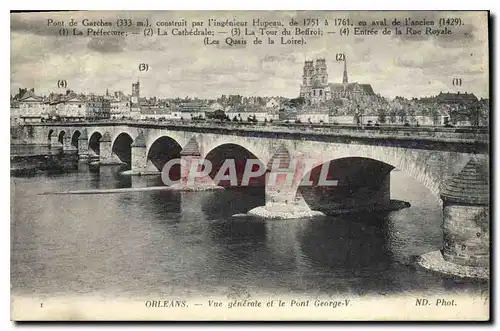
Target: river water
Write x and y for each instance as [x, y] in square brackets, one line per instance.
[187, 243]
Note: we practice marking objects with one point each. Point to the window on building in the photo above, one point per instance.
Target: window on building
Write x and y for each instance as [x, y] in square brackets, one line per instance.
[314, 92]
[320, 92]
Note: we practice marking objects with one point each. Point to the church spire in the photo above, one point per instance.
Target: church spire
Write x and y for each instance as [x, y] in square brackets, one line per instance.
[345, 80]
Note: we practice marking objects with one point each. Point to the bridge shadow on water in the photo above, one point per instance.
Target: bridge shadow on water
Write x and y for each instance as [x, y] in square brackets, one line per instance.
[226, 229]
[336, 254]
[342, 254]
[356, 251]
[225, 203]
[163, 206]
[352, 250]
[109, 175]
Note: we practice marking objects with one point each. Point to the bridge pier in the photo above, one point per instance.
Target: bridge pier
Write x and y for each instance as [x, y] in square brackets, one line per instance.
[106, 151]
[67, 146]
[466, 242]
[54, 141]
[139, 155]
[193, 177]
[83, 147]
[279, 191]
[282, 202]
[140, 163]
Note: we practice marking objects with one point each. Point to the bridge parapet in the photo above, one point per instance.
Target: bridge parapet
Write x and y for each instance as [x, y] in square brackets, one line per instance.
[457, 135]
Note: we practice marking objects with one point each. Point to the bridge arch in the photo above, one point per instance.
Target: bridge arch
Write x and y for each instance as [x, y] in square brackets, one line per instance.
[121, 147]
[428, 167]
[346, 183]
[61, 136]
[94, 140]
[74, 138]
[180, 138]
[236, 158]
[259, 148]
[163, 149]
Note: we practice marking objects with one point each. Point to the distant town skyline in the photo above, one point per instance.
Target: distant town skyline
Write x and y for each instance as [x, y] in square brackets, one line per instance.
[394, 66]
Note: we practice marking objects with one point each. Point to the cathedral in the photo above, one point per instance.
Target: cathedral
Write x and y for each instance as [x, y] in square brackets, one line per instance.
[315, 88]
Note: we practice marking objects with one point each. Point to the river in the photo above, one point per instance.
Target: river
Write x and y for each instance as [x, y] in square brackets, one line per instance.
[188, 243]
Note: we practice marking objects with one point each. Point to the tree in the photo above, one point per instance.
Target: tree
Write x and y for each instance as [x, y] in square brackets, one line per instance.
[435, 115]
[402, 115]
[392, 116]
[474, 114]
[381, 113]
[297, 102]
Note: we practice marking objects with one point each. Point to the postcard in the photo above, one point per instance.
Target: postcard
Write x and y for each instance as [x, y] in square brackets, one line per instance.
[250, 166]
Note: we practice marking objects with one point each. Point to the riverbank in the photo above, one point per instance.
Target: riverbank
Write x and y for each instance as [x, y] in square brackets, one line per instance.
[31, 163]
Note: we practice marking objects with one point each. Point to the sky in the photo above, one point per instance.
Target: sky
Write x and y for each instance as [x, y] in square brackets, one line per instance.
[179, 66]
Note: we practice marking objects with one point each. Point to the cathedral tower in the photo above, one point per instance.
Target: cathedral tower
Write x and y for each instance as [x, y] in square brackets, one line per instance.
[321, 71]
[308, 73]
[345, 80]
[307, 79]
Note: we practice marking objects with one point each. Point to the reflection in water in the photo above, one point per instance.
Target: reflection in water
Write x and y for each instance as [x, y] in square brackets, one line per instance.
[233, 201]
[347, 243]
[112, 173]
[145, 181]
[283, 247]
[161, 204]
[22, 150]
[181, 243]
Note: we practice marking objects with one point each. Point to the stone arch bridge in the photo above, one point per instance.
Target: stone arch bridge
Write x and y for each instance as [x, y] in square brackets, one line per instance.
[429, 155]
